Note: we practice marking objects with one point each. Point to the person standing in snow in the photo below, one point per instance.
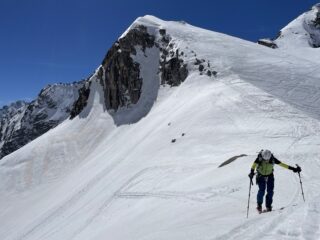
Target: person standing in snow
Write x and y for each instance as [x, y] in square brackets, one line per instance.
[265, 179]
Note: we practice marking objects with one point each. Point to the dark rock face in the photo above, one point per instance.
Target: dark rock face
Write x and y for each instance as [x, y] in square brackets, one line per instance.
[173, 71]
[22, 122]
[9, 114]
[268, 43]
[317, 20]
[315, 26]
[122, 82]
[82, 101]
[205, 67]
[172, 68]
[120, 75]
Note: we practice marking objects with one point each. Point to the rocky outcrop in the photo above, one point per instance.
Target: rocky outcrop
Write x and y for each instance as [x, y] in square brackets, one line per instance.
[316, 21]
[314, 27]
[173, 70]
[268, 43]
[9, 115]
[121, 75]
[22, 122]
[205, 67]
[82, 101]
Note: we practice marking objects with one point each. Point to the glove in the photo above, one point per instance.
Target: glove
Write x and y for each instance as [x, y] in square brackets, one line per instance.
[251, 174]
[296, 169]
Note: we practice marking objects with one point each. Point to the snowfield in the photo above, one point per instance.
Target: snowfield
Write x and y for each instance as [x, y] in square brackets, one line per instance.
[102, 176]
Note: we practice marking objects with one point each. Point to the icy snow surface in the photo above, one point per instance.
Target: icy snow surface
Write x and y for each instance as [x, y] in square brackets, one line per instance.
[89, 179]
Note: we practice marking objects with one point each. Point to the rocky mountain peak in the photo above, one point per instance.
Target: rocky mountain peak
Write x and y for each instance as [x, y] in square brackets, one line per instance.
[144, 45]
[21, 122]
[302, 32]
[120, 74]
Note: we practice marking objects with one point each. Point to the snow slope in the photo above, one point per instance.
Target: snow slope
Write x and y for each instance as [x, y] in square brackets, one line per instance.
[91, 179]
[301, 37]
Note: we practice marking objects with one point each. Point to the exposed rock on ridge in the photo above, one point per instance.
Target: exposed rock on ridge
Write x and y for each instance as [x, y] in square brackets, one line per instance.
[172, 68]
[82, 101]
[121, 75]
[268, 43]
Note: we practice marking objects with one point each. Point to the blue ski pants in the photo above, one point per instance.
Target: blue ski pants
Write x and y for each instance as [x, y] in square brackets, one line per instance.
[265, 183]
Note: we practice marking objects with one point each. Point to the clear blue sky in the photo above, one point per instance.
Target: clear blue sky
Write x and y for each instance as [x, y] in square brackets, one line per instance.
[51, 41]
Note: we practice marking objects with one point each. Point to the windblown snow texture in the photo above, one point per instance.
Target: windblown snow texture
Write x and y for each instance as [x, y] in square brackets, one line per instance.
[114, 171]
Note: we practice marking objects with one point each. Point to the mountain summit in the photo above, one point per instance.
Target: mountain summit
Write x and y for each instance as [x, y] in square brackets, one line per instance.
[302, 32]
[301, 36]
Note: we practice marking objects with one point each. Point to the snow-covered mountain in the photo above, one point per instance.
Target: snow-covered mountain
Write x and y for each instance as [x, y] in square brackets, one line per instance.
[302, 32]
[22, 122]
[139, 156]
[301, 36]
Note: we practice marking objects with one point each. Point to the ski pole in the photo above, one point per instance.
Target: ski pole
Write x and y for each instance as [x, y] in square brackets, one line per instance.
[251, 183]
[301, 183]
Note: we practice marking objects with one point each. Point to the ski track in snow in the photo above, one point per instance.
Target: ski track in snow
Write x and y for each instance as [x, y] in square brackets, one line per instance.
[263, 223]
[122, 193]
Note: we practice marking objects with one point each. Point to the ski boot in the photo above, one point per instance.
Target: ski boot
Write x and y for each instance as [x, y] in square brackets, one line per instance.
[268, 209]
[259, 208]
